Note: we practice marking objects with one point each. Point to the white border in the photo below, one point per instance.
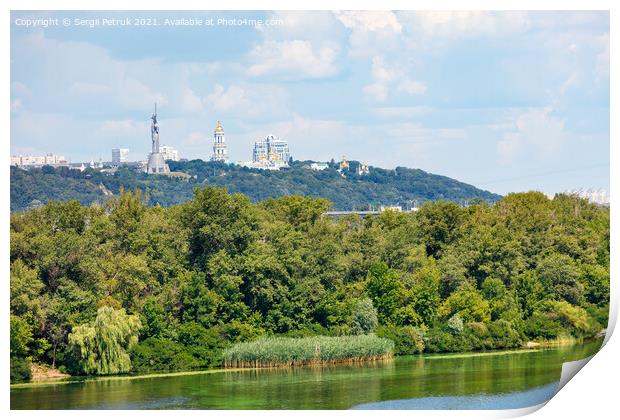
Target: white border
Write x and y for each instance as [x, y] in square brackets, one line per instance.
[593, 394]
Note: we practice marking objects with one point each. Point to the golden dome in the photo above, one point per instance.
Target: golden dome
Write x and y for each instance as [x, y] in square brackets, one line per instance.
[219, 128]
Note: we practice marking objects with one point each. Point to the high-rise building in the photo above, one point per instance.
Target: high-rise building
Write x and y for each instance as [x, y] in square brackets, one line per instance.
[120, 155]
[48, 159]
[169, 152]
[156, 163]
[220, 150]
[271, 150]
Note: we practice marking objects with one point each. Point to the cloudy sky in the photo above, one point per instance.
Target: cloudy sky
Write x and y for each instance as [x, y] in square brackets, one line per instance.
[507, 101]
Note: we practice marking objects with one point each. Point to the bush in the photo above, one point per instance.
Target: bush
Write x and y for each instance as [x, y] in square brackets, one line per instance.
[161, 355]
[440, 340]
[540, 326]
[20, 370]
[407, 340]
[503, 335]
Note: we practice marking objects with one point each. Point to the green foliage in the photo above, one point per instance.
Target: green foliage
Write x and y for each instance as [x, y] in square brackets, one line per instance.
[161, 355]
[216, 271]
[103, 346]
[560, 278]
[364, 318]
[385, 291]
[469, 304]
[20, 370]
[217, 221]
[36, 186]
[407, 339]
[281, 351]
[455, 324]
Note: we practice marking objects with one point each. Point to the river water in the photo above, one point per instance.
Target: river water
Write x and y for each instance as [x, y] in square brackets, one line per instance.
[493, 380]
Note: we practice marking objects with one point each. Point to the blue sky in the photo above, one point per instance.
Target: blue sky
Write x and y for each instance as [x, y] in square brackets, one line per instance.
[507, 101]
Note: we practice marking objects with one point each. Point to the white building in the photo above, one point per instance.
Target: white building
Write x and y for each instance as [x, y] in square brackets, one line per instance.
[220, 149]
[271, 152]
[120, 155]
[169, 153]
[48, 159]
[319, 166]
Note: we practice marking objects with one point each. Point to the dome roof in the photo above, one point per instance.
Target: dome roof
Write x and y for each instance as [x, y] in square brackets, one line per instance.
[219, 128]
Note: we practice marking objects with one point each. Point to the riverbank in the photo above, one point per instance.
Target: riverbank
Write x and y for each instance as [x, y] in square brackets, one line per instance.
[46, 373]
[413, 378]
[427, 356]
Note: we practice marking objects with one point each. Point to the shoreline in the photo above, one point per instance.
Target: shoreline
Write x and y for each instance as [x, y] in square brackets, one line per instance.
[84, 379]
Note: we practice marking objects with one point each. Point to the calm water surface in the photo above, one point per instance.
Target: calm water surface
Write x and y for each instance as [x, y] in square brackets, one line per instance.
[453, 381]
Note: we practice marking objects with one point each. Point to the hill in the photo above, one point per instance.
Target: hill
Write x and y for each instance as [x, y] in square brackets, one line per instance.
[400, 186]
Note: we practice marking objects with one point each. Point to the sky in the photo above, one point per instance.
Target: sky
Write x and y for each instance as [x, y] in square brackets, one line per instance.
[506, 101]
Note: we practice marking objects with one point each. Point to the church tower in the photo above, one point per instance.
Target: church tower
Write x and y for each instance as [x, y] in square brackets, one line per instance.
[220, 150]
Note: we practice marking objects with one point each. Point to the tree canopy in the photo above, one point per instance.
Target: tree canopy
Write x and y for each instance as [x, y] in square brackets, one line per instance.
[126, 286]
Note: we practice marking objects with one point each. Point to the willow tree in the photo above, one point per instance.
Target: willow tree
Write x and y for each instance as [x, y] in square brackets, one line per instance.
[104, 345]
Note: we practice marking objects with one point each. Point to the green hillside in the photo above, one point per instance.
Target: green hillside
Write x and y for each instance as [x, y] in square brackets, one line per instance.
[400, 186]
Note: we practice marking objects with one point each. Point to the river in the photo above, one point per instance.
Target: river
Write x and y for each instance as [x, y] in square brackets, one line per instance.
[504, 379]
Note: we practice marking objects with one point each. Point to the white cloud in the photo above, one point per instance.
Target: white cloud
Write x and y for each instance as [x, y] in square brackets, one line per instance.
[369, 20]
[401, 112]
[248, 100]
[452, 24]
[377, 91]
[124, 128]
[535, 132]
[227, 99]
[602, 59]
[384, 76]
[412, 87]
[293, 60]
[16, 105]
[190, 101]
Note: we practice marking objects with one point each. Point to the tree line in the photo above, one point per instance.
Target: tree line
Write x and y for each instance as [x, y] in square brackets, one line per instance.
[127, 287]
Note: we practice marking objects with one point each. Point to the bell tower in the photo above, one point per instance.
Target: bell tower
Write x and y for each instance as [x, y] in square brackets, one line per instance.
[220, 150]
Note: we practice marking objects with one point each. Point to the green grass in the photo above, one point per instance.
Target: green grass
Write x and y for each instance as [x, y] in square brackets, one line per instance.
[285, 351]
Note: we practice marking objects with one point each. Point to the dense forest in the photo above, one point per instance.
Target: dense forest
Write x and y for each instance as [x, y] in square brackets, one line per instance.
[349, 192]
[128, 288]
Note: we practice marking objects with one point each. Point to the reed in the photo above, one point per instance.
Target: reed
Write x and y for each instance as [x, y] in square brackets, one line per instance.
[286, 351]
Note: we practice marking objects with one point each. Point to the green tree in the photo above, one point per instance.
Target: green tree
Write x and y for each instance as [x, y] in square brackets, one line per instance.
[104, 345]
[216, 220]
[364, 317]
[385, 291]
[468, 304]
[560, 278]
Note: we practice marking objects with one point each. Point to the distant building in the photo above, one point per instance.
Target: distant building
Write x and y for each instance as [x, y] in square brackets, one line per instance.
[220, 149]
[319, 166]
[169, 153]
[270, 153]
[344, 164]
[120, 155]
[48, 159]
[362, 169]
[391, 208]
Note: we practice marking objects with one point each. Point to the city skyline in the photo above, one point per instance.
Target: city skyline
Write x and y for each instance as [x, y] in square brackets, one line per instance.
[506, 101]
